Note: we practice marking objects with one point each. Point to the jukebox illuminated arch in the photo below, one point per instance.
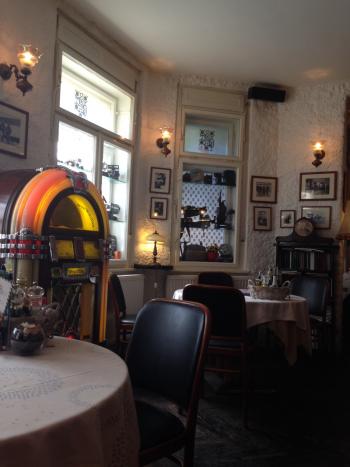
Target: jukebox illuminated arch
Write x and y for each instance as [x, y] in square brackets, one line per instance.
[44, 203]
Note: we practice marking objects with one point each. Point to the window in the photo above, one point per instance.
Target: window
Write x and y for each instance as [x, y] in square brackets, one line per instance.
[210, 166]
[94, 123]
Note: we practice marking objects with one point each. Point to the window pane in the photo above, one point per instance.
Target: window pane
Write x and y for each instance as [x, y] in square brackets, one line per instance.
[76, 150]
[208, 208]
[115, 190]
[214, 137]
[89, 95]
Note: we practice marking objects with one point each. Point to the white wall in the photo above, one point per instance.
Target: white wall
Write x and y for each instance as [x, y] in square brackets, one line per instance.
[32, 22]
[279, 135]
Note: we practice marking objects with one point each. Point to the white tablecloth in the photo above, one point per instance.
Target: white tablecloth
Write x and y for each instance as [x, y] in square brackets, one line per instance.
[69, 406]
[288, 319]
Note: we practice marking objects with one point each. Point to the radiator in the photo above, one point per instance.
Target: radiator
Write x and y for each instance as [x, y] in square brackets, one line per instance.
[133, 285]
[178, 281]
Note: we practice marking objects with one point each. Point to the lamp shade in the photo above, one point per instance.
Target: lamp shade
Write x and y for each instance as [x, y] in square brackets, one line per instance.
[155, 237]
[344, 231]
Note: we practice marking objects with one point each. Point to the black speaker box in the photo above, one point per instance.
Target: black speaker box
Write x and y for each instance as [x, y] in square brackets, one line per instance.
[266, 94]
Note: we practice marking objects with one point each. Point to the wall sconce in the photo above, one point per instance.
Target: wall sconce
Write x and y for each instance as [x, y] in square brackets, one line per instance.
[28, 57]
[156, 238]
[318, 153]
[164, 140]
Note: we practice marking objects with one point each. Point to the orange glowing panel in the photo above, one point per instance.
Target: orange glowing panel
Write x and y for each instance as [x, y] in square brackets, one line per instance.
[26, 209]
[74, 212]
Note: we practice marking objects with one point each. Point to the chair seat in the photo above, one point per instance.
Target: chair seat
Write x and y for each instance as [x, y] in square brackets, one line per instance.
[128, 319]
[156, 425]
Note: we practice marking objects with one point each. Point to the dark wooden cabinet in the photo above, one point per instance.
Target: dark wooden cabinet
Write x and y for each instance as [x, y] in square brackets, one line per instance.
[312, 255]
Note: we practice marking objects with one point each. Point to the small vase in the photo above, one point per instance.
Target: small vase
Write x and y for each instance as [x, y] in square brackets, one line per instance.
[212, 255]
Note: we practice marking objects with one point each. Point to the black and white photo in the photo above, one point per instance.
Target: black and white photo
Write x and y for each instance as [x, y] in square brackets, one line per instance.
[319, 215]
[159, 208]
[262, 218]
[318, 186]
[13, 130]
[263, 189]
[287, 218]
[160, 180]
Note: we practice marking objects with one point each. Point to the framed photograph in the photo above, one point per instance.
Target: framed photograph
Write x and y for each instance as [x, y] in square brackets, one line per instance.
[262, 218]
[287, 218]
[263, 189]
[13, 130]
[160, 180]
[318, 186]
[159, 208]
[319, 215]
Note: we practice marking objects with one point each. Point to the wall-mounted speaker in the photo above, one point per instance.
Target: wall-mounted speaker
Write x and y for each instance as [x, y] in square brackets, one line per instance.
[266, 94]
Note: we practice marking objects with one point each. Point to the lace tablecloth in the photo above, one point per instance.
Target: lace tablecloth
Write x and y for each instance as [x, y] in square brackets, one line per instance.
[288, 319]
[69, 406]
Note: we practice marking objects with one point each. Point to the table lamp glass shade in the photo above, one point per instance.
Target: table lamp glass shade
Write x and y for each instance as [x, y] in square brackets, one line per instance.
[156, 238]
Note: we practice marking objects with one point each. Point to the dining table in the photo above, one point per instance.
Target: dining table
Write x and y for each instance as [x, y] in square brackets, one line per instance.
[288, 319]
[69, 405]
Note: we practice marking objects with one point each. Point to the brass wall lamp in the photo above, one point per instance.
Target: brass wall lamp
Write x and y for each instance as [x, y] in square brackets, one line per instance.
[318, 153]
[164, 140]
[28, 57]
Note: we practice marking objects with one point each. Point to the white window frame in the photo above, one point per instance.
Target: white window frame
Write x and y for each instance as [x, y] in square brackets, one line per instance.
[100, 133]
[236, 163]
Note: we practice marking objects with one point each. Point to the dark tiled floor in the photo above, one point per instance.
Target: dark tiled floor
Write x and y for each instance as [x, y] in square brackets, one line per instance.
[298, 417]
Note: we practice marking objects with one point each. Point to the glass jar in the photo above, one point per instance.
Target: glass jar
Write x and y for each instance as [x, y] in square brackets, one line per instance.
[35, 295]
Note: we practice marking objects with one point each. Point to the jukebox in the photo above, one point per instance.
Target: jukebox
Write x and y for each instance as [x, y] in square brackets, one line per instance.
[55, 231]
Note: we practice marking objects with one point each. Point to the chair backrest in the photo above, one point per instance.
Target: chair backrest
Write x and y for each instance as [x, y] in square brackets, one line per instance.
[166, 350]
[227, 307]
[215, 278]
[315, 290]
[116, 286]
[113, 313]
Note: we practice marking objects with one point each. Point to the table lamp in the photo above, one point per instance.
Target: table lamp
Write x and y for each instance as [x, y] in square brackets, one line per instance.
[156, 238]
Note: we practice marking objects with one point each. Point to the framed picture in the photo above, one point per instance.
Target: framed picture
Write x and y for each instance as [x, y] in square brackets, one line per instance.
[160, 180]
[287, 218]
[319, 215]
[263, 189]
[318, 185]
[262, 218]
[159, 208]
[13, 130]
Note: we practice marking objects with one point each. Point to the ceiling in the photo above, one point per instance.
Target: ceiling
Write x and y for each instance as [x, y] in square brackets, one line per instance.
[283, 42]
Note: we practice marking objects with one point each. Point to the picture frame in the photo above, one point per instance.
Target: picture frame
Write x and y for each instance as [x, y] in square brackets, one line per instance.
[13, 131]
[318, 186]
[321, 216]
[160, 179]
[159, 208]
[263, 189]
[262, 218]
[287, 218]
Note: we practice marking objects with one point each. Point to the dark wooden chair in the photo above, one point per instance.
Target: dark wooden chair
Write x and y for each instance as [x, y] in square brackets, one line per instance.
[215, 278]
[228, 347]
[316, 290]
[126, 321]
[165, 359]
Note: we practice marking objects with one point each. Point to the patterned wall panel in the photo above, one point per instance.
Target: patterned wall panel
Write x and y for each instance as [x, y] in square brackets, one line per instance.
[200, 195]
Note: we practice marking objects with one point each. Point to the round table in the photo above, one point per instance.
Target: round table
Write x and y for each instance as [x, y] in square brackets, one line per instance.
[71, 405]
[288, 319]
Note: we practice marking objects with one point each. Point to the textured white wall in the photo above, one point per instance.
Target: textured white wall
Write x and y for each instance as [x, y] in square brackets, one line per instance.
[158, 106]
[311, 113]
[34, 23]
[279, 135]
